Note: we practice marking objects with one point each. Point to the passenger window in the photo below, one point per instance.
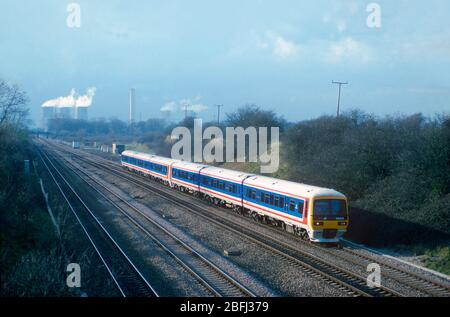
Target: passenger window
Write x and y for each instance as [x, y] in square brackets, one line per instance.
[301, 205]
[282, 202]
[271, 199]
[261, 196]
[292, 205]
[276, 201]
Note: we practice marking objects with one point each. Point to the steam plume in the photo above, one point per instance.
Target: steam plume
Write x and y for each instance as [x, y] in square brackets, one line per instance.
[71, 100]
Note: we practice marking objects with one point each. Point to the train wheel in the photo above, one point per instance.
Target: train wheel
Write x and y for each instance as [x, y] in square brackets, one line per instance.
[255, 216]
[238, 210]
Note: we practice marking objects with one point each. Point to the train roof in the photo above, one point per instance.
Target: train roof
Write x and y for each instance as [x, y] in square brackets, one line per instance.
[189, 166]
[226, 174]
[263, 182]
[290, 188]
[149, 157]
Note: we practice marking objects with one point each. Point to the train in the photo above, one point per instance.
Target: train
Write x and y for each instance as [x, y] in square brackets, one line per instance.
[315, 214]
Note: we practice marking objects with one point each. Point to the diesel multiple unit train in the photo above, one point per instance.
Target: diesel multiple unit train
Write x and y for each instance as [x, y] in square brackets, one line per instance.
[314, 213]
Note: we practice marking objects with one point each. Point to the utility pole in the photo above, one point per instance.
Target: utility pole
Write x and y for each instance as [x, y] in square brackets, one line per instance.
[185, 111]
[218, 114]
[339, 95]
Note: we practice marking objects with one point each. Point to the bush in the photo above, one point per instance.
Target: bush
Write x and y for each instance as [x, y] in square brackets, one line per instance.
[399, 167]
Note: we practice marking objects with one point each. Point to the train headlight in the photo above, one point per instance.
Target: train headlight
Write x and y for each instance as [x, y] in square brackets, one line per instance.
[318, 223]
[342, 223]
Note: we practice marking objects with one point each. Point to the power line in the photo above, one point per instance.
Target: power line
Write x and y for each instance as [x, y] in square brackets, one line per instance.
[339, 94]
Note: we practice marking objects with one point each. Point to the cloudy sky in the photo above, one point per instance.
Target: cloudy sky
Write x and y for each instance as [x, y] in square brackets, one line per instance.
[281, 55]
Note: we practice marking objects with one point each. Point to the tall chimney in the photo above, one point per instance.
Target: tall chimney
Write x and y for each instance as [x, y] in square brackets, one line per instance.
[131, 118]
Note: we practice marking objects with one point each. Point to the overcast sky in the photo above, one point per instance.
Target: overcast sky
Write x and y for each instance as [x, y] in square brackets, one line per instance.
[281, 55]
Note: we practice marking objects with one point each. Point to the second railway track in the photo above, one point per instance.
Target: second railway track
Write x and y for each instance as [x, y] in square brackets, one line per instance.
[126, 276]
[216, 281]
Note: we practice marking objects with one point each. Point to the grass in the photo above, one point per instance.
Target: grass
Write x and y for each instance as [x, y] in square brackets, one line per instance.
[438, 259]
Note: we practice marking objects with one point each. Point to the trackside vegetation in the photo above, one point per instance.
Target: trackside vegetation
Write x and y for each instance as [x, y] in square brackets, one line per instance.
[33, 254]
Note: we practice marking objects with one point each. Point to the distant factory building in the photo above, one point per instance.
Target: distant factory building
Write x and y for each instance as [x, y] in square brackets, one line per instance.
[81, 113]
[68, 107]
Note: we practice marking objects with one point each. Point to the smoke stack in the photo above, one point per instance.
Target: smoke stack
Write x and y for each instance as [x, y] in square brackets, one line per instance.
[131, 118]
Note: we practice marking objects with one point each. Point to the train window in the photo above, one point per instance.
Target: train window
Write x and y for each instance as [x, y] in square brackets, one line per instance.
[261, 196]
[189, 176]
[271, 199]
[301, 204]
[221, 185]
[276, 201]
[292, 205]
[281, 202]
[267, 196]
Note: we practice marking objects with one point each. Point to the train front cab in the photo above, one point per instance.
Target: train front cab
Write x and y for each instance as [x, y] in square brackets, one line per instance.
[328, 219]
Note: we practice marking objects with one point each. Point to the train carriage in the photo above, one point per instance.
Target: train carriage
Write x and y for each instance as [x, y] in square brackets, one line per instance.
[222, 186]
[186, 176]
[319, 214]
[150, 165]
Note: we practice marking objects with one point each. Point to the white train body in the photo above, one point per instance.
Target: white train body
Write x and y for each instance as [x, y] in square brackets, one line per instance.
[315, 213]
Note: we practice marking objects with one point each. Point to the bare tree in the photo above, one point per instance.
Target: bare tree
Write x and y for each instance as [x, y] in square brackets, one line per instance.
[12, 104]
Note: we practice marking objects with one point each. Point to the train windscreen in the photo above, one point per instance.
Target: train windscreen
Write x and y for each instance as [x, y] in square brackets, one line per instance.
[330, 209]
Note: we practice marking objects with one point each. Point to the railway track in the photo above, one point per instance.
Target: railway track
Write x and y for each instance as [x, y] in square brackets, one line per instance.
[348, 282]
[409, 278]
[216, 281]
[126, 276]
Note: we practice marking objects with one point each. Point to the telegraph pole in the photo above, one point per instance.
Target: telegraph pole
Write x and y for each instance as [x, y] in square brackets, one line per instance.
[218, 114]
[185, 111]
[339, 95]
